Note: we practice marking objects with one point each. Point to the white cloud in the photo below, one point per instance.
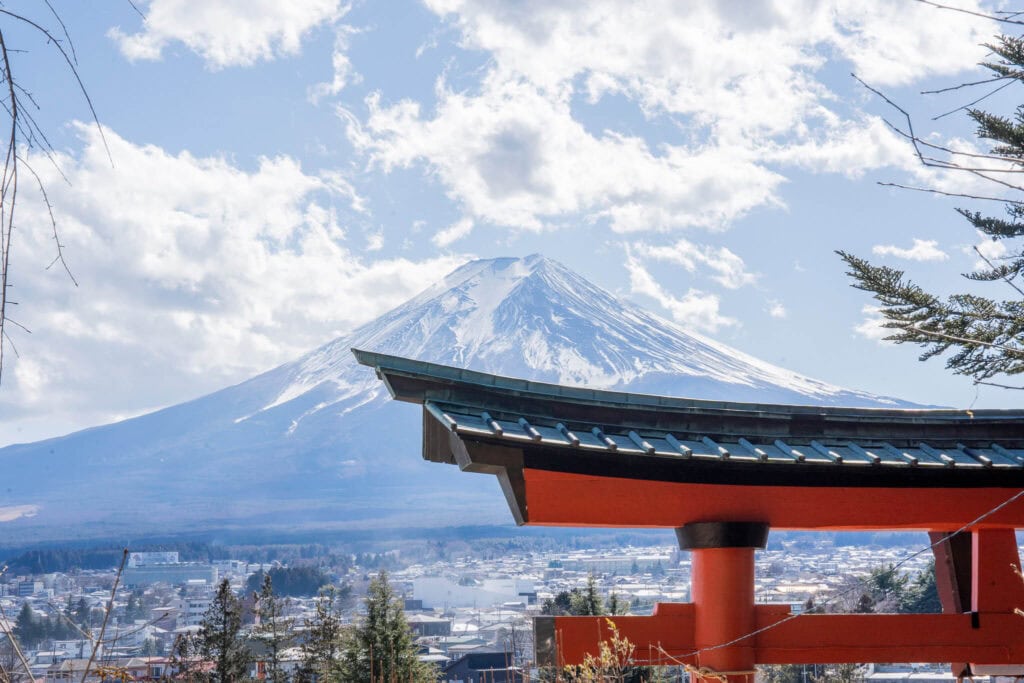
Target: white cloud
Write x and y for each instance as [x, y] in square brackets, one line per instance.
[864, 144]
[695, 309]
[730, 269]
[922, 250]
[454, 232]
[186, 263]
[514, 157]
[990, 249]
[344, 73]
[227, 32]
[743, 82]
[871, 327]
[375, 241]
[776, 309]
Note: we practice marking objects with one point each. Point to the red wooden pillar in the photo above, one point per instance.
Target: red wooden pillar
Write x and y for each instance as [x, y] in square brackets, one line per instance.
[722, 587]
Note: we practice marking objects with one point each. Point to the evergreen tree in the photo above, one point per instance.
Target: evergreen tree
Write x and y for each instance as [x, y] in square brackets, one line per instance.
[985, 335]
[82, 611]
[587, 602]
[322, 645]
[220, 635]
[560, 605]
[133, 609]
[617, 605]
[922, 595]
[380, 648]
[28, 628]
[186, 657]
[290, 581]
[274, 630]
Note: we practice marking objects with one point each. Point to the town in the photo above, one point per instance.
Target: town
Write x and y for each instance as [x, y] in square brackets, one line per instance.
[468, 606]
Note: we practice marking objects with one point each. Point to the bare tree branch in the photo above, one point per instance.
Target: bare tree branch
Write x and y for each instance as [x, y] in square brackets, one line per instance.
[53, 223]
[952, 194]
[67, 36]
[25, 135]
[998, 385]
[994, 17]
[74, 72]
[106, 616]
[971, 104]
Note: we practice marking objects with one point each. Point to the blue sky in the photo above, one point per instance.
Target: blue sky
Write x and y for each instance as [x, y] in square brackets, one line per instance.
[282, 172]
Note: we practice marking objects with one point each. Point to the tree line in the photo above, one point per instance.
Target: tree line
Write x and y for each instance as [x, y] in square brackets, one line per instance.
[48, 561]
[289, 581]
[378, 648]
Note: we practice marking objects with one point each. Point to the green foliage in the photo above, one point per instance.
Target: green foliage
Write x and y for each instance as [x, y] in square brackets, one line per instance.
[290, 581]
[587, 602]
[67, 559]
[617, 605]
[186, 657]
[322, 645]
[220, 637]
[134, 608]
[32, 629]
[274, 630]
[985, 336]
[921, 595]
[904, 593]
[380, 647]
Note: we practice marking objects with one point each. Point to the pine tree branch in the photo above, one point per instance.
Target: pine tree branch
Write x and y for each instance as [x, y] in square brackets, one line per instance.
[1005, 279]
[966, 341]
[1000, 386]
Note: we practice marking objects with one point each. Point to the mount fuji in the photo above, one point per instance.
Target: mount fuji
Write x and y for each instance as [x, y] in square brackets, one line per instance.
[317, 444]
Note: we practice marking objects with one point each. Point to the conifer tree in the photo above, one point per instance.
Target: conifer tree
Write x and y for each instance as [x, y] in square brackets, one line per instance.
[985, 335]
[588, 602]
[28, 628]
[186, 654]
[321, 648]
[220, 635]
[380, 648]
[274, 629]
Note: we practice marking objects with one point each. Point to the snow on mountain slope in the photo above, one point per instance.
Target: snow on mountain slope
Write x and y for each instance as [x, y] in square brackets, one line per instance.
[316, 442]
[536, 319]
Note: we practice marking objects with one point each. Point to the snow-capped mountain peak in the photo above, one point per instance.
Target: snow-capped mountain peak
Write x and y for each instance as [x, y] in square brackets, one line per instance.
[534, 318]
[316, 441]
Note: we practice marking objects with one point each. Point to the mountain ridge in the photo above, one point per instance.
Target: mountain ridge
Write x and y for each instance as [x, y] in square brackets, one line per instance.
[316, 441]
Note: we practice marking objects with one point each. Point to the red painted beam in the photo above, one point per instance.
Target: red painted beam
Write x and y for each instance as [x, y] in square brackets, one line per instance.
[562, 499]
[835, 638]
[667, 637]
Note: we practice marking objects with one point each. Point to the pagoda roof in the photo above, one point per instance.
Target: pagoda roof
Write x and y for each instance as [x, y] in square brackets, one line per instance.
[477, 419]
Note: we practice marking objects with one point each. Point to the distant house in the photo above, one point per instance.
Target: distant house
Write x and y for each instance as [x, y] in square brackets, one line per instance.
[427, 625]
[481, 667]
[133, 668]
